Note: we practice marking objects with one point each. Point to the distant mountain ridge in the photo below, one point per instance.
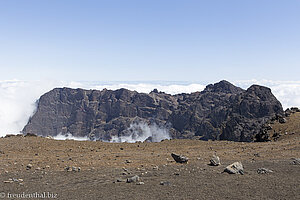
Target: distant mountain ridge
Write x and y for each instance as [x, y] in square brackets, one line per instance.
[221, 111]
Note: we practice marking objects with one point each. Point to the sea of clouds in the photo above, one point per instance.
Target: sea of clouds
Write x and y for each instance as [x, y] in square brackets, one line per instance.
[18, 98]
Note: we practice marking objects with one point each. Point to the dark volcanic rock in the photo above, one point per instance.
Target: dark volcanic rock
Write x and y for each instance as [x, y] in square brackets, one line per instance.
[220, 112]
[179, 158]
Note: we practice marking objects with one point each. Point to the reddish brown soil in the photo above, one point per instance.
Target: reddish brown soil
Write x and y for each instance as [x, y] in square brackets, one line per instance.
[101, 165]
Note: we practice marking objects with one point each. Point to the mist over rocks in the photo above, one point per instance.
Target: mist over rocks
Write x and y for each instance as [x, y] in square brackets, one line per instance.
[221, 111]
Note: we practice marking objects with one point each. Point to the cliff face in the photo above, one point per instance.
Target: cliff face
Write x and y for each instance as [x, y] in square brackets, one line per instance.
[220, 112]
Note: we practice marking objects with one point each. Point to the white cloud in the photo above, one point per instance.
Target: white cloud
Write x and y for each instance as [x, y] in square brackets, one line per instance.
[17, 98]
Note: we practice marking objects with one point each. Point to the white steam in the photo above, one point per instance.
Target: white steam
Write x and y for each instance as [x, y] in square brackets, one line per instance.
[142, 131]
[69, 136]
[17, 98]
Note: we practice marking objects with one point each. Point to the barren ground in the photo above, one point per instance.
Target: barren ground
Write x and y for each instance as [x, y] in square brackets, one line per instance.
[102, 164]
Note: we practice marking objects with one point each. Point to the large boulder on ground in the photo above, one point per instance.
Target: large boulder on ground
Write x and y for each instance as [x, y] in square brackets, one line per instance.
[133, 179]
[215, 161]
[179, 158]
[235, 168]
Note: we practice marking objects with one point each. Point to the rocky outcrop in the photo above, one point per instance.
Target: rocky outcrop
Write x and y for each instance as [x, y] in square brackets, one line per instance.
[221, 111]
[268, 133]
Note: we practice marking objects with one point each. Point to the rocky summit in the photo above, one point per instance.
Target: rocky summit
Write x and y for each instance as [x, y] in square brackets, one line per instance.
[221, 111]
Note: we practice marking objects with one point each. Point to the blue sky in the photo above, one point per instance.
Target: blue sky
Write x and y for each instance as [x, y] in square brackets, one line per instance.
[143, 40]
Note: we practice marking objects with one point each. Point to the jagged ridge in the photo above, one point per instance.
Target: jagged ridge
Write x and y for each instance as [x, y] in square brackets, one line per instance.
[221, 111]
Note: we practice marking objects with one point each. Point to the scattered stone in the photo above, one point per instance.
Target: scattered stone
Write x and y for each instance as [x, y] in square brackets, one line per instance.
[149, 139]
[128, 161]
[278, 116]
[295, 109]
[72, 169]
[30, 135]
[288, 112]
[12, 135]
[264, 171]
[256, 155]
[68, 169]
[8, 181]
[155, 168]
[215, 161]
[267, 127]
[78, 169]
[9, 135]
[282, 120]
[276, 136]
[29, 166]
[133, 179]
[295, 161]
[119, 180]
[165, 183]
[124, 173]
[235, 168]
[179, 158]
[140, 183]
[176, 173]
[38, 168]
[11, 180]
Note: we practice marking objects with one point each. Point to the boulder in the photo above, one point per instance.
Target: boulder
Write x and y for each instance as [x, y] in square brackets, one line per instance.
[288, 112]
[215, 161]
[149, 139]
[72, 169]
[29, 166]
[165, 183]
[264, 171]
[235, 168]
[133, 179]
[295, 161]
[179, 158]
[295, 109]
[282, 120]
[9, 135]
[119, 180]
